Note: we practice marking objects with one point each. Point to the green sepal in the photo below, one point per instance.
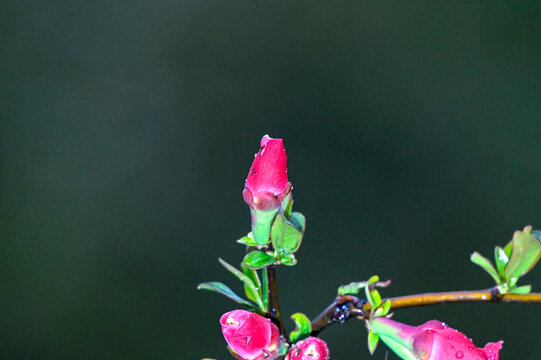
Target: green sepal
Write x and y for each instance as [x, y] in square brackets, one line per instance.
[252, 291]
[258, 259]
[286, 238]
[282, 350]
[501, 259]
[261, 225]
[303, 327]
[393, 339]
[484, 263]
[352, 288]
[399, 349]
[521, 290]
[224, 290]
[525, 254]
[373, 340]
[248, 241]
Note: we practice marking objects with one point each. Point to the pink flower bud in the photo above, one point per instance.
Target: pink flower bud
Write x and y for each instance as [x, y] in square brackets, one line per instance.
[432, 340]
[312, 348]
[250, 336]
[266, 184]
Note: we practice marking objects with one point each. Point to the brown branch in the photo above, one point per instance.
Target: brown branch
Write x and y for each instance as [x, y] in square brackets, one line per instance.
[342, 309]
[487, 295]
[347, 306]
[274, 305]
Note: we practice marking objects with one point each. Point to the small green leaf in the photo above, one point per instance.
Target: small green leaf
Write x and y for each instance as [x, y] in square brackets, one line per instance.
[373, 340]
[224, 290]
[386, 307]
[352, 288]
[289, 260]
[258, 259]
[286, 238]
[484, 263]
[287, 204]
[298, 220]
[525, 254]
[501, 260]
[278, 229]
[508, 248]
[246, 240]
[376, 298]
[252, 291]
[303, 327]
[368, 293]
[373, 279]
[522, 290]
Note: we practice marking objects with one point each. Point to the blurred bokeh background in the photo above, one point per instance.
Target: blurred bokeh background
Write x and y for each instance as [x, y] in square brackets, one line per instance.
[128, 128]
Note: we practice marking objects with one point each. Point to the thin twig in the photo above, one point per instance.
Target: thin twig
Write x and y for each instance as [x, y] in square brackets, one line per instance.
[347, 306]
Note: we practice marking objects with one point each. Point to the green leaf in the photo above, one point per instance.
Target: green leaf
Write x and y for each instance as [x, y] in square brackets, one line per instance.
[501, 260]
[286, 238]
[373, 279]
[376, 298]
[298, 220]
[246, 240]
[386, 307]
[352, 288]
[258, 259]
[484, 263]
[252, 292]
[287, 204]
[522, 290]
[373, 340]
[508, 248]
[289, 260]
[252, 274]
[303, 327]
[265, 288]
[368, 293]
[224, 290]
[525, 254]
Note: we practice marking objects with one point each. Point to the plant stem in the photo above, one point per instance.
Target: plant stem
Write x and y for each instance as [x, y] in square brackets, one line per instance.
[348, 306]
[274, 305]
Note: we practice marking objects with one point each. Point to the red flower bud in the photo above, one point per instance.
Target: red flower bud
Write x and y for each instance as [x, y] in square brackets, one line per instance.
[250, 336]
[432, 340]
[266, 184]
[312, 348]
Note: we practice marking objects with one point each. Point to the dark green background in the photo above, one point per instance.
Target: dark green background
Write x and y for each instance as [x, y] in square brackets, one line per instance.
[128, 128]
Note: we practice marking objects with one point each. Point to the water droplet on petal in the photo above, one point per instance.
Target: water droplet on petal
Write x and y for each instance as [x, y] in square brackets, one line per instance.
[459, 355]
